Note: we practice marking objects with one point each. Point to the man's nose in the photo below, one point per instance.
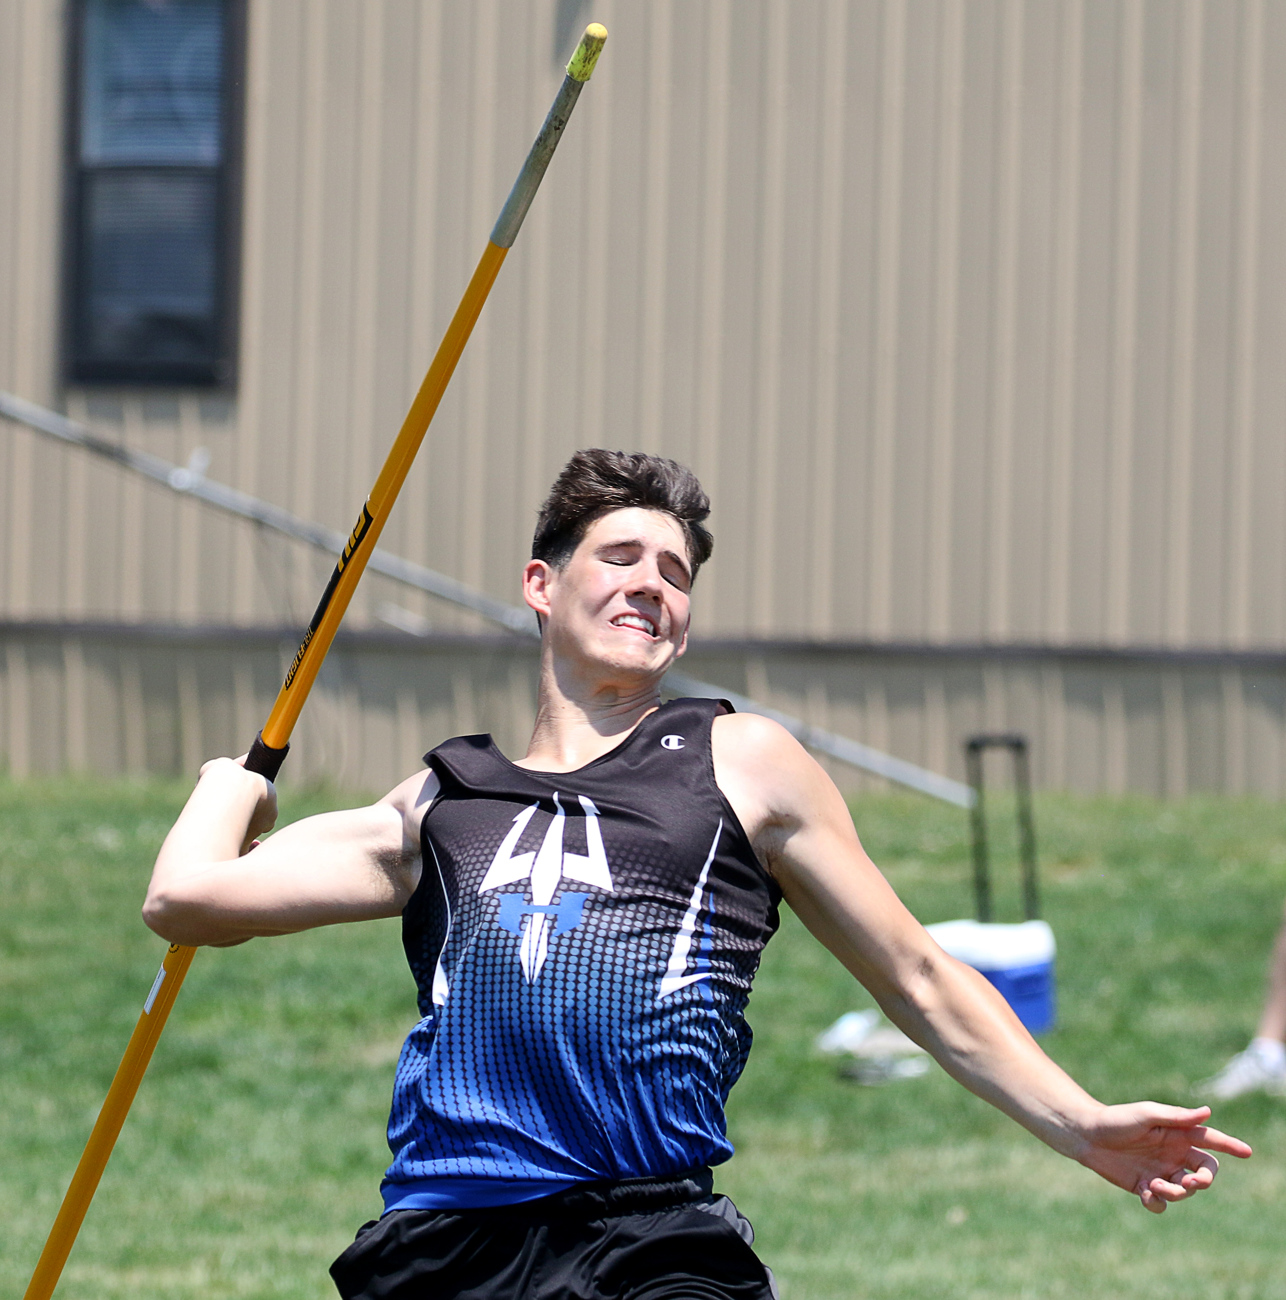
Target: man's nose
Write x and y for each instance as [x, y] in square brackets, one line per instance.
[647, 581]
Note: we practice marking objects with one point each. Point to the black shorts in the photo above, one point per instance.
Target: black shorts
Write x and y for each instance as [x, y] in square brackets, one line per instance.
[638, 1240]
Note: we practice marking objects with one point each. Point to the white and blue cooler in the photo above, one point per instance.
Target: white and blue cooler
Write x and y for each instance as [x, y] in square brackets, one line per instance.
[1017, 959]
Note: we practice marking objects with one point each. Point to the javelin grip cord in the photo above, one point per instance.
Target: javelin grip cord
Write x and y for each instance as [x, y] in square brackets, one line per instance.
[264, 759]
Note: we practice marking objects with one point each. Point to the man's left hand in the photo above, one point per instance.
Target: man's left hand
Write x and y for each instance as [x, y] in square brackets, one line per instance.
[1159, 1153]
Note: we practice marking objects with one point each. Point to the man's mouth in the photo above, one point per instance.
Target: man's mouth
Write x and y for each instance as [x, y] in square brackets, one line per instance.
[638, 621]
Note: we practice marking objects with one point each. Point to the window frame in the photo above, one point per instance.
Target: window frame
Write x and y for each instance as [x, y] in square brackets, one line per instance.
[221, 373]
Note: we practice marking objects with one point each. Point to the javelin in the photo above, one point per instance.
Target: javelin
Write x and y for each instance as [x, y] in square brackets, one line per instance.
[269, 749]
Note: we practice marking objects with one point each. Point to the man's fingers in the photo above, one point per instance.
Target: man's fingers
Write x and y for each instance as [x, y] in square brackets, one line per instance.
[1164, 1191]
[1213, 1140]
[1179, 1116]
[1201, 1162]
[1197, 1174]
[1182, 1183]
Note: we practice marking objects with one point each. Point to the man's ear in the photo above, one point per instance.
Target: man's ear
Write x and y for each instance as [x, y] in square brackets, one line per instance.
[537, 578]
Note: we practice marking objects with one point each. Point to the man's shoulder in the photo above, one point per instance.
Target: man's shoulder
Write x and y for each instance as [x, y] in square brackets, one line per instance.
[767, 776]
[413, 797]
[760, 749]
[751, 729]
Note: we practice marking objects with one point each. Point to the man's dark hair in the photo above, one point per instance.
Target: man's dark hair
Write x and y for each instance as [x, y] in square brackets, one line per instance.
[596, 481]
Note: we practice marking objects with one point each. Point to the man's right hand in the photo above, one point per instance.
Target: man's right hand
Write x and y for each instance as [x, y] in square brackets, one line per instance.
[230, 774]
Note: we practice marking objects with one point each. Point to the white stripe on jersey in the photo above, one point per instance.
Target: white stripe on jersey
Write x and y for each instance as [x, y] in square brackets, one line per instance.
[675, 979]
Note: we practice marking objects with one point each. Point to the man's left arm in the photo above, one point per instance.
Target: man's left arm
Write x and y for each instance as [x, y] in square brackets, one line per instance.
[804, 834]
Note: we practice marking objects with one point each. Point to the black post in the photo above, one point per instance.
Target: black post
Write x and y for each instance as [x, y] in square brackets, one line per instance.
[1026, 828]
[978, 821]
[1017, 746]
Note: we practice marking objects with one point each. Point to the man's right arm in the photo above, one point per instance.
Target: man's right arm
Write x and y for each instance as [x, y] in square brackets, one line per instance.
[354, 865]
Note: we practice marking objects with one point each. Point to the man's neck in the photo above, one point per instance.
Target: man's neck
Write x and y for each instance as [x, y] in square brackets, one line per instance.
[579, 719]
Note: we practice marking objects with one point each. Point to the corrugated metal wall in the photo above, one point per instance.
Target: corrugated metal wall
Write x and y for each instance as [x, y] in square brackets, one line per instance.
[129, 700]
[970, 313]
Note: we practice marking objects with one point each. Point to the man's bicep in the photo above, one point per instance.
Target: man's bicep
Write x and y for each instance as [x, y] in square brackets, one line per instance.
[322, 870]
[847, 904]
[803, 832]
[838, 892]
[359, 857]
[356, 864]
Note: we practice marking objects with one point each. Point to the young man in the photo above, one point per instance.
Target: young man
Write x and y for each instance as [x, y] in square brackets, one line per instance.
[584, 923]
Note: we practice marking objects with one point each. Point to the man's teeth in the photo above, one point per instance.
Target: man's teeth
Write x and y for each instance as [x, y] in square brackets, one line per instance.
[633, 620]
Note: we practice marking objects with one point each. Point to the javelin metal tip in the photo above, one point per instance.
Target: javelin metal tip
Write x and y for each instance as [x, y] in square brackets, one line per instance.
[581, 67]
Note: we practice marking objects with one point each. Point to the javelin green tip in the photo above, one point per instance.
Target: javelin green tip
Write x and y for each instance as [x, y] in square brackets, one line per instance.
[581, 68]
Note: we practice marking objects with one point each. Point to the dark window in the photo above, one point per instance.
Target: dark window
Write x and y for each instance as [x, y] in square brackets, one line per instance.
[153, 193]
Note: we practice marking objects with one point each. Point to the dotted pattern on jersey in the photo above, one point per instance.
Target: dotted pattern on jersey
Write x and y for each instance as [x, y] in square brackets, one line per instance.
[584, 1071]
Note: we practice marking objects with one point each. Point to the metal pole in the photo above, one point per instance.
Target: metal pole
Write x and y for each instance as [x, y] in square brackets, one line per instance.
[978, 825]
[1026, 828]
[1017, 746]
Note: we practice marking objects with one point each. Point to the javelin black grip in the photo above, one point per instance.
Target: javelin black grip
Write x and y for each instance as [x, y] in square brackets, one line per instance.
[264, 759]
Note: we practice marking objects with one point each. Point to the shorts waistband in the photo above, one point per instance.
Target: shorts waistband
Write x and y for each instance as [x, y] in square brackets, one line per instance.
[609, 1198]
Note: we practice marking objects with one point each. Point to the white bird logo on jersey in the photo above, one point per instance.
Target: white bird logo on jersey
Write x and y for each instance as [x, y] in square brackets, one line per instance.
[546, 867]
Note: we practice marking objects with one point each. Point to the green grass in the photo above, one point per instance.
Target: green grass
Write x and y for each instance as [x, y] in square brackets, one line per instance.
[256, 1145]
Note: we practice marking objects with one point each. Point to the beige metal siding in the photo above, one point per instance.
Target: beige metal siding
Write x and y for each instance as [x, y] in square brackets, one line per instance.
[129, 702]
[970, 313]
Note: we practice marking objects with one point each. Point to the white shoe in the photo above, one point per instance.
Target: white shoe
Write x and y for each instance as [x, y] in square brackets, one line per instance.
[1248, 1071]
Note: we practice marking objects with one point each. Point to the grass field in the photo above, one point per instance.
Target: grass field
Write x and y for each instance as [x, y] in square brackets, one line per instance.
[256, 1145]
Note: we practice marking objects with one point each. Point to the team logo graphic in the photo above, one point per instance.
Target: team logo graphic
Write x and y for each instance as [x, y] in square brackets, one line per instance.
[546, 868]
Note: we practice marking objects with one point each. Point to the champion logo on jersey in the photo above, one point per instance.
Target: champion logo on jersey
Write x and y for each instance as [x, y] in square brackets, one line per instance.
[672, 742]
[546, 868]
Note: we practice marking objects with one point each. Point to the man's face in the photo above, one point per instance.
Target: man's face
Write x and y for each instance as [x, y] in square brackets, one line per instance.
[621, 601]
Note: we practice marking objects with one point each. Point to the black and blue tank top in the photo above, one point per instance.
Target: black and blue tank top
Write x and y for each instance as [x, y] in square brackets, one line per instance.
[583, 944]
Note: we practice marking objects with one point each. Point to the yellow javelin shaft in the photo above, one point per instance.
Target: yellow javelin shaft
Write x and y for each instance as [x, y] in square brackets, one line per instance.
[348, 571]
[120, 1096]
[269, 749]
